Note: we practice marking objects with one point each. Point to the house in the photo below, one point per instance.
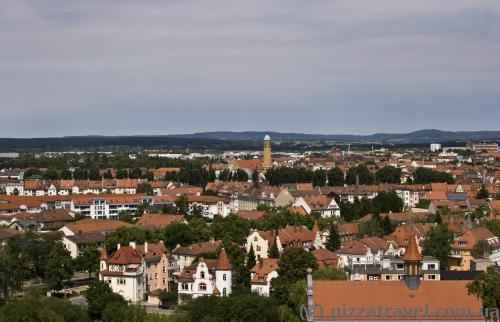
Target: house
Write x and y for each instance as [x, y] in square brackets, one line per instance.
[347, 231]
[185, 256]
[207, 277]
[460, 255]
[325, 258]
[88, 225]
[75, 244]
[326, 206]
[106, 206]
[290, 236]
[368, 250]
[6, 234]
[124, 272]
[53, 220]
[262, 274]
[159, 221]
[209, 206]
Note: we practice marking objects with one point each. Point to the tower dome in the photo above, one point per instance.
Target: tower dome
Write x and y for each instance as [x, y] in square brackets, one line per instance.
[267, 138]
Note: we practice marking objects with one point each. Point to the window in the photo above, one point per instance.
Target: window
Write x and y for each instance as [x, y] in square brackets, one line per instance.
[224, 291]
[431, 266]
[224, 277]
[202, 274]
[255, 238]
[184, 286]
[202, 287]
[388, 277]
[121, 281]
[164, 281]
[258, 248]
[431, 276]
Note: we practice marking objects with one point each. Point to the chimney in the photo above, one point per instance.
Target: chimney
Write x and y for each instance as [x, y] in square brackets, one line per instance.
[145, 247]
[212, 240]
[132, 244]
[118, 246]
[357, 180]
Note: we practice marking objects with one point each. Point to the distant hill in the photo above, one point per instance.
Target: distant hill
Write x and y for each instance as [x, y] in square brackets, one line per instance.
[422, 136]
[232, 140]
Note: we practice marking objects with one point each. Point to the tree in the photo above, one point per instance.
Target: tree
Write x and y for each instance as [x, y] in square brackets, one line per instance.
[42, 309]
[388, 174]
[255, 177]
[182, 204]
[98, 296]
[485, 286]
[333, 241]
[386, 202]
[145, 187]
[233, 226]
[480, 249]
[127, 216]
[482, 193]
[13, 271]
[330, 274]
[319, 178]
[494, 227]
[425, 175]
[88, 260]
[251, 259]
[335, 177]
[293, 266]
[58, 267]
[437, 243]
[274, 251]
[361, 171]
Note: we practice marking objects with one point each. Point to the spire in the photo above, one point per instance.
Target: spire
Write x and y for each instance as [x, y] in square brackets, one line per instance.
[104, 254]
[412, 253]
[223, 264]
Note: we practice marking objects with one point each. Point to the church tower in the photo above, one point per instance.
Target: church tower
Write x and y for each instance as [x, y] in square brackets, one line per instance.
[412, 261]
[267, 153]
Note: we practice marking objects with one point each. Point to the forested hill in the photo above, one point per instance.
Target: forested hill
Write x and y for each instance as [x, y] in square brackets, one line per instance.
[422, 136]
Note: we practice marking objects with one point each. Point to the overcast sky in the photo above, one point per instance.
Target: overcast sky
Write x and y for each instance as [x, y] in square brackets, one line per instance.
[183, 66]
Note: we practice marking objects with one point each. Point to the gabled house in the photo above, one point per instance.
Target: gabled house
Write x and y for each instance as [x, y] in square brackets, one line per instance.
[207, 277]
[262, 274]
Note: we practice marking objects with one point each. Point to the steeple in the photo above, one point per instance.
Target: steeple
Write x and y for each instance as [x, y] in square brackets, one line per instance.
[223, 263]
[412, 261]
[104, 254]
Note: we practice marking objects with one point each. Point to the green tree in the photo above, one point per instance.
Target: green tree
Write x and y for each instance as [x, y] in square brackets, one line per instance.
[58, 267]
[480, 249]
[274, 251]
[330, 274]
[333, 240]
[49, 309]
[494, 227]
[293, 266]
[335, 177]
[98, 296]
[386, 202]
[388, 174]
[482, 193]
[437, 243]
[485, 286]
[144, 187]
[182, 204]
[251, 259]
[365, 176]
[255, 177]
[88, 260]
[234, 226]
[319, 178]
[425, 175]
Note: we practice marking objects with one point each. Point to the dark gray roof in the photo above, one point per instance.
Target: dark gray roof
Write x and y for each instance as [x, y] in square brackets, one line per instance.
[87, 238]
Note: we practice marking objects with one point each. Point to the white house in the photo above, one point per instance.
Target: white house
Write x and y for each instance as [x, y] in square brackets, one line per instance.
[262, 274]
[124, 272]
[326, 206]
[207, 277]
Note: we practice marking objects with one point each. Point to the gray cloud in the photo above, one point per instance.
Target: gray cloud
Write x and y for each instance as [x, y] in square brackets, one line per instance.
[159, 67]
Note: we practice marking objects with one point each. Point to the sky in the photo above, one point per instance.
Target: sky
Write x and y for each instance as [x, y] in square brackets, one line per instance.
[105, 67]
